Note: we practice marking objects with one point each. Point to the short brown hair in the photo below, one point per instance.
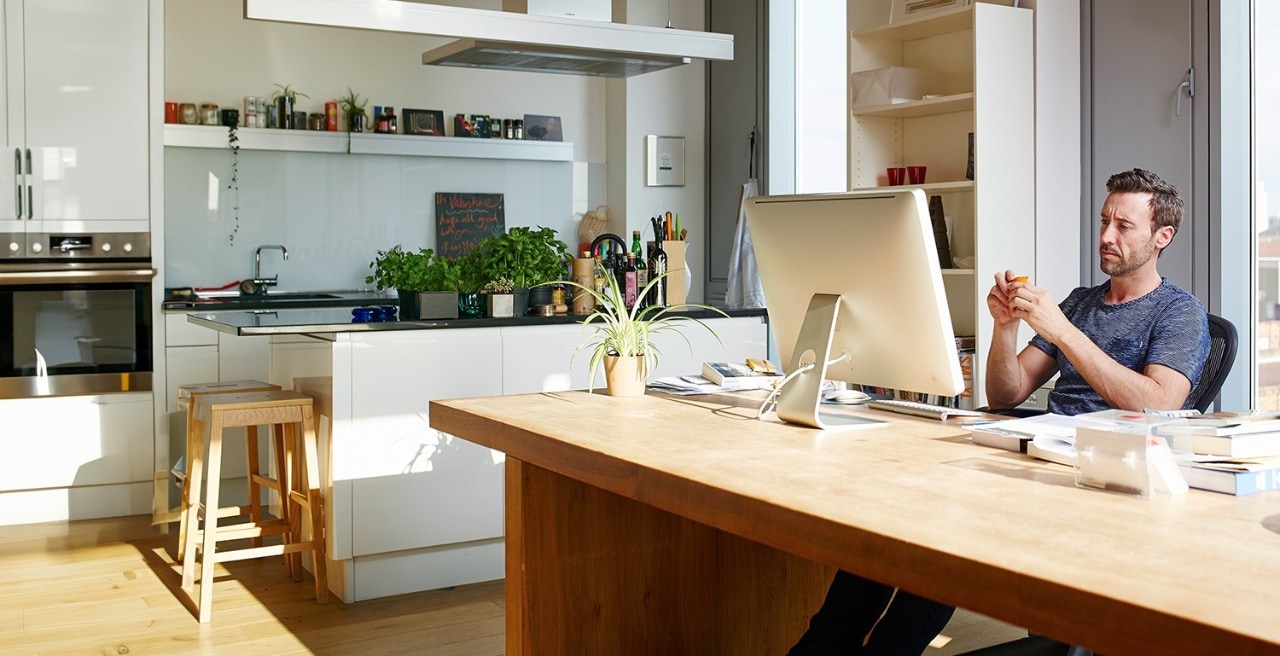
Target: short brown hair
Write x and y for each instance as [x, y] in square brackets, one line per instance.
[1166, 205]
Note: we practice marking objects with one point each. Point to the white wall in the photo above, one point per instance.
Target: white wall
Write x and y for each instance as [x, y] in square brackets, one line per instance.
[667, 103]
[335, 212]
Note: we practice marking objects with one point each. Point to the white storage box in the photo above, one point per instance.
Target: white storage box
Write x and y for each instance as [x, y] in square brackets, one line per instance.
[596, 10]
[895, 84]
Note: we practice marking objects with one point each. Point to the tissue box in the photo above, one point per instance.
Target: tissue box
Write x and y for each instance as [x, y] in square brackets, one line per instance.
[895, 84]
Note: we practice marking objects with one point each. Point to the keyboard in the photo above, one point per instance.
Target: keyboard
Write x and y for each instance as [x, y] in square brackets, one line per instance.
[925, 410]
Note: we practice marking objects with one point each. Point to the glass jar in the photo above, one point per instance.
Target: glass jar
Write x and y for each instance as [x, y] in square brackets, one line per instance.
[187, 114]
[209, 114]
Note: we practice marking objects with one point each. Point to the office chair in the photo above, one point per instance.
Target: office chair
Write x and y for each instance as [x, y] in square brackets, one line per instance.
[1222, 355]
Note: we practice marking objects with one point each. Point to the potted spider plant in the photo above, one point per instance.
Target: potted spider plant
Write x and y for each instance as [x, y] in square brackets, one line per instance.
[621, 338]
[285, 99]
[353, 107]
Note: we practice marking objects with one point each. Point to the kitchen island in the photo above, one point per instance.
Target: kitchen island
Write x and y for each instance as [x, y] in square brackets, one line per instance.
[410, 508]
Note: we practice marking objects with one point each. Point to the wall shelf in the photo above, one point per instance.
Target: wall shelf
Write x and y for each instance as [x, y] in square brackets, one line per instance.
[923, 26]
[307, 141]
[929, 107]
[931, 187]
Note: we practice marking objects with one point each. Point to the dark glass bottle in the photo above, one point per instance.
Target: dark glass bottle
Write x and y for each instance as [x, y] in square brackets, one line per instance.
[629, 281]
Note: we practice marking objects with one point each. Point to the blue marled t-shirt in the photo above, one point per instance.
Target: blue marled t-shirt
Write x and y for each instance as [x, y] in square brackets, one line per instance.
[1167, 326]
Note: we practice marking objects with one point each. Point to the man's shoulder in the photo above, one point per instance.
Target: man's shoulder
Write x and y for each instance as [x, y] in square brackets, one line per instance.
[1175, 295]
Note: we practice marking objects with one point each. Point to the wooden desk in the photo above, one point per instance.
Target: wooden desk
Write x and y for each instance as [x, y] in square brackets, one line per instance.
[667, 525]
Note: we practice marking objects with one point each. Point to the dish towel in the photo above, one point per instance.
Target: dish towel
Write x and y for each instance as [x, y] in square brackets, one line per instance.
[744, 290]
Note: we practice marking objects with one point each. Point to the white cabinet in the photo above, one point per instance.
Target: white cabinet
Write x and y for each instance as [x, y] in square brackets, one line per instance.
[74, 114]
[985, 56]
[75, 457]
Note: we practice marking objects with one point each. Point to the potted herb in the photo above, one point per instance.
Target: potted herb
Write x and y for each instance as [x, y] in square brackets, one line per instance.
[427, 284]
[285, 99]
[622, 339]
[528, 258]
[501, 302]
[353, 107]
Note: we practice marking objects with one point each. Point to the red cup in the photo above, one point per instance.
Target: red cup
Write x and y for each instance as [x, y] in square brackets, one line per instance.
[915, 174]
[171, 112]
[897, 175]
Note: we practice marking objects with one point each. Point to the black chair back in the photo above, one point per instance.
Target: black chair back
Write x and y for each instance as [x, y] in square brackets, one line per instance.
[1222, 354]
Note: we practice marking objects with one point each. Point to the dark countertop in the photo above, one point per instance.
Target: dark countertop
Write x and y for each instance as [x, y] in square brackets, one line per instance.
[313, 320]
[279, 300]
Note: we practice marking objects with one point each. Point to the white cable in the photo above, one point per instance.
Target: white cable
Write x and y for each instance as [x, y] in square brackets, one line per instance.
[769, 401]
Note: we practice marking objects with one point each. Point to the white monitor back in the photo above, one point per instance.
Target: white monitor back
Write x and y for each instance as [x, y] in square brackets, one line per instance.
[875, 250]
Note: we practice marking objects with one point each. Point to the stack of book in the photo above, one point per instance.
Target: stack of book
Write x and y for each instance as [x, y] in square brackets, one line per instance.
[1232, 453]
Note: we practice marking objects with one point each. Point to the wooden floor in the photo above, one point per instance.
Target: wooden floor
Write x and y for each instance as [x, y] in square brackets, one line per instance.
[110, 587]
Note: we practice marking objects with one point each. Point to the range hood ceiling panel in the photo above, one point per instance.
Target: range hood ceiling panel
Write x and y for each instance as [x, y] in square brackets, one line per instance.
[492, 39]
[545, 59]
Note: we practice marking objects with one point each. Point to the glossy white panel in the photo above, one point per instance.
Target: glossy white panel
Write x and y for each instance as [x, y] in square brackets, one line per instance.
[428, 569]
[76, 441]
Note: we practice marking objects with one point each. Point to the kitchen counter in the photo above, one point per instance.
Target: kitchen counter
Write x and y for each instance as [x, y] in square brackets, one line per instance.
[313, 320]
[377, 449]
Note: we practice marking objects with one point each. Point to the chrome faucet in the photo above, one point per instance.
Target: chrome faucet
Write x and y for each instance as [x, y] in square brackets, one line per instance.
[258, 281]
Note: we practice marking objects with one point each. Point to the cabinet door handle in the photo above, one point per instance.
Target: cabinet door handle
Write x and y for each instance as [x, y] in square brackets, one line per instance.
[17, 181]
[31, 203]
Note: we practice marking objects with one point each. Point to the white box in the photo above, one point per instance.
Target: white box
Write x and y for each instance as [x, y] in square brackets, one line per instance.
[895, 84]
[596, 10]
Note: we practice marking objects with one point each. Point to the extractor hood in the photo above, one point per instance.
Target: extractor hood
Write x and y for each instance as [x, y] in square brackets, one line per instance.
[509, 40]
[547, 59]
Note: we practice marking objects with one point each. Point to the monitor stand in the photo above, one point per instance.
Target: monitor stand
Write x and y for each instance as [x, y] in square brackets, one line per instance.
[800, 400]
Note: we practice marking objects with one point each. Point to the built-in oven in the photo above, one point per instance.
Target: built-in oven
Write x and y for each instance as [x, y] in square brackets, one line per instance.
[75, 314]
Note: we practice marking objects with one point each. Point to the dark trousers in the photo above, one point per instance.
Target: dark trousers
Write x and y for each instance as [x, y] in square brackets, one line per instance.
[899, 624]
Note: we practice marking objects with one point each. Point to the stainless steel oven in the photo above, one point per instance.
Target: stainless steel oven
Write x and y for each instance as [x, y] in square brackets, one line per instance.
[75, 314]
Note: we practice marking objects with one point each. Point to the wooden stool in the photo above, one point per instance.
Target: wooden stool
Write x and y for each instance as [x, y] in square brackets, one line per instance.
[284, 411]
[195, 444]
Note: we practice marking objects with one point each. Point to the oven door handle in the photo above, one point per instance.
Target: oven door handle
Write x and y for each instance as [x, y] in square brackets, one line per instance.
[78, 276]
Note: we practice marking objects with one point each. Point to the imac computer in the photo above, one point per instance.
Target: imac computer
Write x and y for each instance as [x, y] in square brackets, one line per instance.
[853, 287]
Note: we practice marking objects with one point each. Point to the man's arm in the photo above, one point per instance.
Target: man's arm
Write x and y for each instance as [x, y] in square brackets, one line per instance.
[1156, 386]
[1011, 376]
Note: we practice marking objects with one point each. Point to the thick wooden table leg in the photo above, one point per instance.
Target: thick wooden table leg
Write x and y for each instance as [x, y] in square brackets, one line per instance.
[592, 572]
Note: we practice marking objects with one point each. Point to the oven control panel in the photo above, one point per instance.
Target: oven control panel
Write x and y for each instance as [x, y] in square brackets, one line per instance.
[75, 246]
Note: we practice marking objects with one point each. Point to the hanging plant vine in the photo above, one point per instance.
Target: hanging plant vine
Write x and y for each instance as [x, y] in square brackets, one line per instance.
[233, 142]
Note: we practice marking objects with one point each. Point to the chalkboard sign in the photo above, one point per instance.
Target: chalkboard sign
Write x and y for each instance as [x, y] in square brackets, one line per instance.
[463, 220]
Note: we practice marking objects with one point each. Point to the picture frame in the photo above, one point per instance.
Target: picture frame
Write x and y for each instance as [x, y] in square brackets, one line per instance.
[543, 128]
[425, 122]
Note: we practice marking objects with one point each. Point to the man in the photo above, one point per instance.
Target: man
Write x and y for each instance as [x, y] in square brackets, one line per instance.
[1134, 342]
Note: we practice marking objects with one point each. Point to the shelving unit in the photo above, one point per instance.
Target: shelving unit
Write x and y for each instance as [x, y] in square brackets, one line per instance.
[308, 141]
[992, 216]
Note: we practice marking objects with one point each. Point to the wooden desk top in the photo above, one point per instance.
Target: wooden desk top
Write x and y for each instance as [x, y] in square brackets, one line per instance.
[917, 505]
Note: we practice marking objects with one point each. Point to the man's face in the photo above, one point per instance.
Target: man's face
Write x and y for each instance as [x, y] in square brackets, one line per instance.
[1126, 241]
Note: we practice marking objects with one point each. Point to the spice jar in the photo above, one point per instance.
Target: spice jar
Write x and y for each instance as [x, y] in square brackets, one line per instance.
[187, 114]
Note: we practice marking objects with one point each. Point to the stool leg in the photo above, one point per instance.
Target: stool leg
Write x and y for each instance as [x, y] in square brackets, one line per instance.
[284, 486]
[255, 492]
[311, 477]
[208, 552]
[193, 444]
[289, 446]
[190, 526]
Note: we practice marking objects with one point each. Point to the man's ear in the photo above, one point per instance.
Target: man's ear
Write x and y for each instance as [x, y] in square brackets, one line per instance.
[1164, 236]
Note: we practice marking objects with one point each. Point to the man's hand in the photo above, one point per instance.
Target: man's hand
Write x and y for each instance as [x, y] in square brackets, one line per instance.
[999, 297]
[1038, 308]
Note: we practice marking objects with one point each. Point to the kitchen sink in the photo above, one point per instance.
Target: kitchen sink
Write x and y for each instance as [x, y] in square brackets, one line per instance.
[292, 296]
